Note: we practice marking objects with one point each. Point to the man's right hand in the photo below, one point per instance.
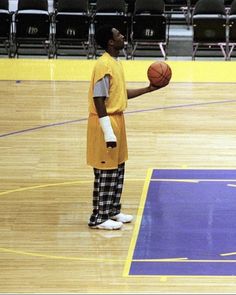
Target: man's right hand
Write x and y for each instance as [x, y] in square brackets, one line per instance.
[111, 144]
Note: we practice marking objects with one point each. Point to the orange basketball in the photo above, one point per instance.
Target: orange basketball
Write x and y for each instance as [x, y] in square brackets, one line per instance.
[159, 73]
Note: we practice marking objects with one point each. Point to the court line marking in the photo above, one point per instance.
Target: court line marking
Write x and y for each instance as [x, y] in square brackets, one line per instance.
[194, 180]
[81, 182]
[185, 260]
[22, 189]
[173, 180]
[89, 259]
[137, 223]
[42, 127]
[165, 277]
[185, 167]
[35, 254]
[56, 184]
[127, 112]
[228, 254]
[160, 259]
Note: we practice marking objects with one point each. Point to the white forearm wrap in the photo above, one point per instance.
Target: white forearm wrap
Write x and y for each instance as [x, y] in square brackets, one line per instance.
[107, 129]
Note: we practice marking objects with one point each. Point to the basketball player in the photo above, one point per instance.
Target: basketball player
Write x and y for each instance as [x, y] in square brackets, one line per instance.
[106, 136]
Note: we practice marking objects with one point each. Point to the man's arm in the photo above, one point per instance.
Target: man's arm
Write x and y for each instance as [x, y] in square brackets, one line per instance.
[140, 91]
[100, 106]
[105, 122]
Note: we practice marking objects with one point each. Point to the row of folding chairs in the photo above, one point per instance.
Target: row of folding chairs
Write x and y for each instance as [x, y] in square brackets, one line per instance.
[72, 25]
[73, 22]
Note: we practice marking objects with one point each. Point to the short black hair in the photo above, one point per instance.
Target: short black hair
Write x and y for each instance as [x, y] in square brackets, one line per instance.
[103, 34]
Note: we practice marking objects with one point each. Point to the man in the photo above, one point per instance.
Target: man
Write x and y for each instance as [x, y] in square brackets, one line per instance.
[106, 136]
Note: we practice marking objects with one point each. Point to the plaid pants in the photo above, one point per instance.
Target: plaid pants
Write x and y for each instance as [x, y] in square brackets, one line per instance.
[108, 185]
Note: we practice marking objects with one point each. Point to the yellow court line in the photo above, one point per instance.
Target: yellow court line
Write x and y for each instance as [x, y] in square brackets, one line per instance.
[137, 224]
[90, 181]
[95, 259]
[61, 257]
[54, 184]
[42, 186]
[89, 259]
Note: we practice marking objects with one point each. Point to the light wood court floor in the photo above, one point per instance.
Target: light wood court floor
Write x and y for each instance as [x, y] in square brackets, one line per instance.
[46, 186]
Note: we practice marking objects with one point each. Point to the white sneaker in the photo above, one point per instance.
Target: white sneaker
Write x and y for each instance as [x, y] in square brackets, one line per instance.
[108, 224]
[124, 218]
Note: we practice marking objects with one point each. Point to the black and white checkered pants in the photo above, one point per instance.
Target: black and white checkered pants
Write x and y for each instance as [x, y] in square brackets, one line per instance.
[108, 185]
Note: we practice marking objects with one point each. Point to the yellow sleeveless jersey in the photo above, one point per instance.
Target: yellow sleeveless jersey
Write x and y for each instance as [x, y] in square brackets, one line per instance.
[98, 156]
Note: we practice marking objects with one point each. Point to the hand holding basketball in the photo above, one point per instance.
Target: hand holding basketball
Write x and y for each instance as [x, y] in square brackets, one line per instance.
[159, 74]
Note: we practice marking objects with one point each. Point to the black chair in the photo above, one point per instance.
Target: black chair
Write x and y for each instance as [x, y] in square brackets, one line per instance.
[72, 28]
[32, 28]
[232, 28]
[111, 12]
[149, 27]
[209, 27]
[5, 27]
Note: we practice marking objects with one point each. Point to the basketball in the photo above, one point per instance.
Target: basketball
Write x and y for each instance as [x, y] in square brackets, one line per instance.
[159, 73]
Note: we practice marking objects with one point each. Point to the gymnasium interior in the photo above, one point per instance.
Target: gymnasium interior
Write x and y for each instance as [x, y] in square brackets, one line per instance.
[180, 177]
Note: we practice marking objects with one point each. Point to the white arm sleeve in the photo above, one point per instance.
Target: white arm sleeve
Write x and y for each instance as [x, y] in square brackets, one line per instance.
[105, 123]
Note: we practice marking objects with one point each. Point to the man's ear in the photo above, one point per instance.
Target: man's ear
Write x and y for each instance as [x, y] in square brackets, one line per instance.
[111, 42]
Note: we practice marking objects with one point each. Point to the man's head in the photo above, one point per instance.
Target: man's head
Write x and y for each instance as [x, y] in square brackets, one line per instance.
[107, 37]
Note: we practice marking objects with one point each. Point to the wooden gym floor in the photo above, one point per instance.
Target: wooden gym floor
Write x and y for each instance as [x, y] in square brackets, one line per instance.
[46, 186]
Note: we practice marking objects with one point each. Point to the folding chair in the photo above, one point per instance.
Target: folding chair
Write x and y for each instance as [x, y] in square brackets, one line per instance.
[149, 26]
[5, 27]
[32, 28]
[72, 28]
[209, 27]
